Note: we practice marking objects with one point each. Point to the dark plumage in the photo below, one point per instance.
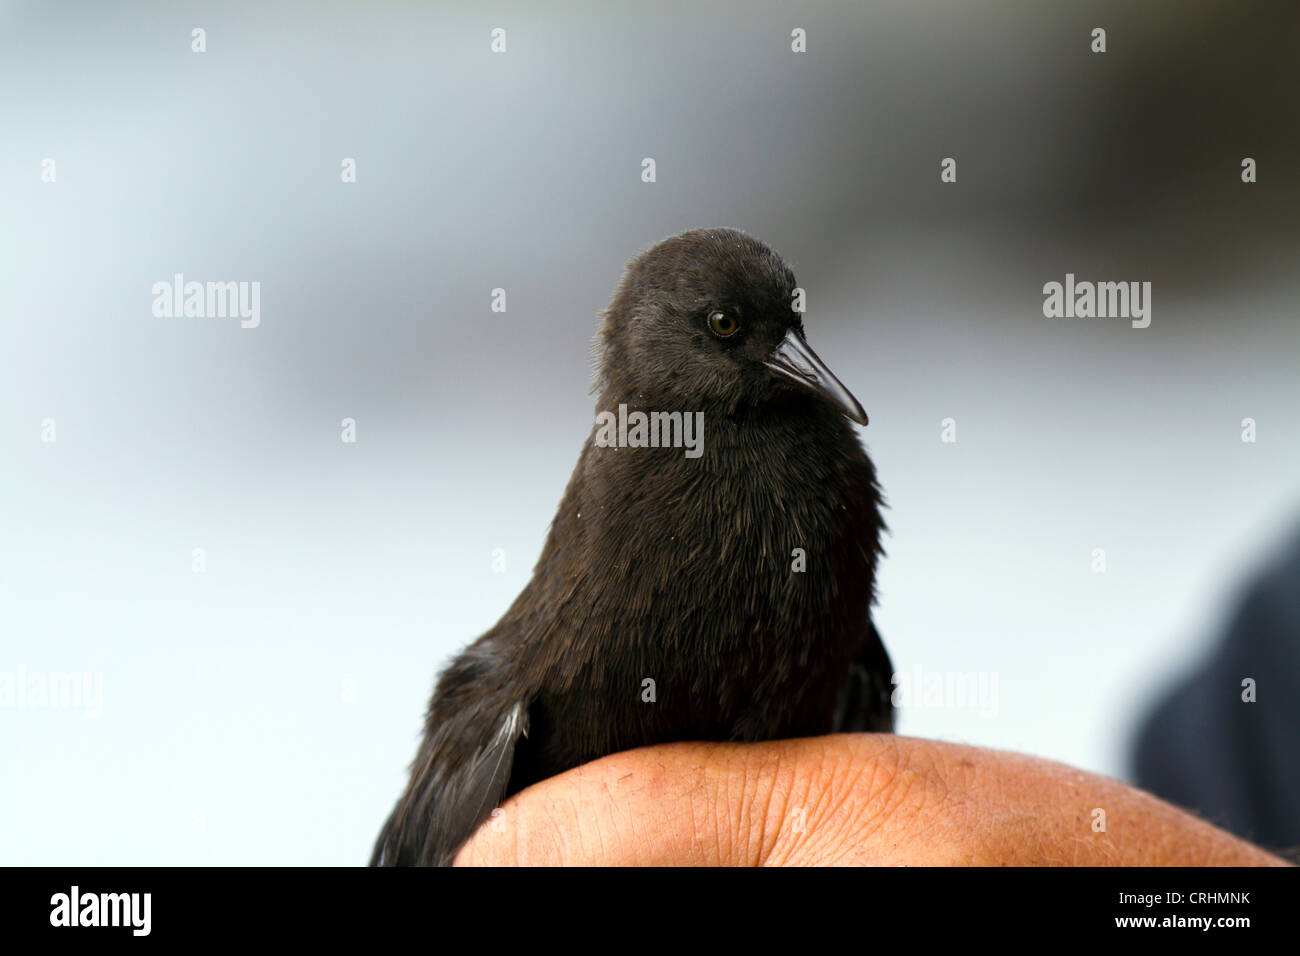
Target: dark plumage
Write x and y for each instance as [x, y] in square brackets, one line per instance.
[674, 568]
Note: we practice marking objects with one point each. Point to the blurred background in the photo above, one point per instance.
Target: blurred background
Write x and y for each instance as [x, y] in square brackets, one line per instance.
[264, 710]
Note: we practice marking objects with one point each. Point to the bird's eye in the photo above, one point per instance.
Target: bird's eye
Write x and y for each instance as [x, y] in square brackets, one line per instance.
[723, 324]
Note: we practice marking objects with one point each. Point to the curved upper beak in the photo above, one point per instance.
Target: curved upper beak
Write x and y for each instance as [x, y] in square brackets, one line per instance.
[795, 359]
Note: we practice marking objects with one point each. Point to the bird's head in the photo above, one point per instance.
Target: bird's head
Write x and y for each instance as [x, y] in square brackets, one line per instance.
[707, 318]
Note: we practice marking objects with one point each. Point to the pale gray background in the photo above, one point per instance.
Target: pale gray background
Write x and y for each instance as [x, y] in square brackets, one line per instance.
[264, 712]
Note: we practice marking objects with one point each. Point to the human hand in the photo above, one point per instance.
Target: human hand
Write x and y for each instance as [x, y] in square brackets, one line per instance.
[846, 799]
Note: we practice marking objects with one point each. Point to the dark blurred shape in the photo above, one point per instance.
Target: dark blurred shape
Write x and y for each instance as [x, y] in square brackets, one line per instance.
[1233, 762]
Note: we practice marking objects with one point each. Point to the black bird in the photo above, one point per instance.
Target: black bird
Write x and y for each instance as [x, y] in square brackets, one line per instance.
[720, 597]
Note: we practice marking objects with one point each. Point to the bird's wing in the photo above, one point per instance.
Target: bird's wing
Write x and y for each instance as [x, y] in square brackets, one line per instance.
[488, 774]
[865, 704]
[461, 774]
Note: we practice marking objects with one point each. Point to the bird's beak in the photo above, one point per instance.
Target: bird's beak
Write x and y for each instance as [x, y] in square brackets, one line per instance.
[794, 358]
